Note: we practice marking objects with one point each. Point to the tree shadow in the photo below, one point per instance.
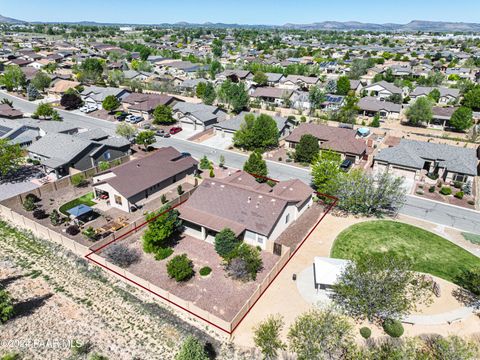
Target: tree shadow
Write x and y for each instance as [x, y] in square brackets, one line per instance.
[29, 306]
[466, 298]
[7, 281]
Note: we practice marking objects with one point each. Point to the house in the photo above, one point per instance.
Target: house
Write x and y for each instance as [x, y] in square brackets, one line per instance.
[464, 73]
[332, 102]
[257, 213]
[274, 79]
[272, 96]
[340, 140]
[96, 94]
[130, 184]
[299, 82]
[447, 95]
[441, 115]
[227, 128]
[6, 111]
[234, 76]
[197, 116]
[372, 106]
[382, 90]
[136, 75]
[140, 104]
[59, 152]
[410, 157]
[59, 87]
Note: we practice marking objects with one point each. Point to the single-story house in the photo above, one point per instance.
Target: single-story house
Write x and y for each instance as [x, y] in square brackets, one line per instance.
[447, 95]
[59, 152]
[272, 95]
[197, 116]
[339, 140]
[257, 213]
[59, 87]
[410, 157]
[144, 105]
[96, 94]
[382, 90]
[299, 82]
[132, 183]
[6, 111]
[442, 115]
[234, 75]
[372, 106]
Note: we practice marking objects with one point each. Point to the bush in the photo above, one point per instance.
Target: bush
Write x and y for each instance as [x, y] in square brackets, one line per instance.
[192, 349]
[55, 218]
[471, 202]
[365, 332]
[81, 347]
[32, 197]
[431, 189]
[163, 253]
[459, 195]
[29, 205]
[393, 328]
[90, 233]
[6, 306]
[163, 199]
[458, 184]
[180, 268]
[225, 242]
[39, 214]
[470, 280]
[121, 255]
[446, 191]
[204, 271]
[419, 192]
[73, 230]
[78, 180]
[180, 190]
[251, 261]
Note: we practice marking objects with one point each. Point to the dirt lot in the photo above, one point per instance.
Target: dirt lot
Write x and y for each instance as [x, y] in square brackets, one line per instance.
[216, 293]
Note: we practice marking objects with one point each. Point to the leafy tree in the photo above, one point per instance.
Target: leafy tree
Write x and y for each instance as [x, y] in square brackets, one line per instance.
[359, 67]
[110, 103]
[160, 229]
[91, 70]
[434, 95]
[103, 165]
[259, 132]
[316, 96]
[225, 242]
[379, 287]
[420, 111]
[343, 85]
[125, 130]
[249, 259]
[260, 78]
[145, 138]
[205, 163]
[349, 111]
[13, 78]
[215, 68]
[163, 115]
[395, 98]
[41, 81]
[32, 92]
[256, 165]
[71, 101]
[469, 279]
[307, 149]
[200, 90]
[326, 172]
[180, 268]
[217, 45]
[462, 119]
[6, 306]
[10, 157]
[192, 349]
[321, 334]
[235, 95]
[78, 180]
[267, 337]
[209, 95]
[376, 121]
[472, 99]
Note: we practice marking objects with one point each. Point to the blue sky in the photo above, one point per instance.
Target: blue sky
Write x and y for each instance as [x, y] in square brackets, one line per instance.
[241, 11]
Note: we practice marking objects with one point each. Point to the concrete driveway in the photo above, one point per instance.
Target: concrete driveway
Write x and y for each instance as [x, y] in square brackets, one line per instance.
[218, 142]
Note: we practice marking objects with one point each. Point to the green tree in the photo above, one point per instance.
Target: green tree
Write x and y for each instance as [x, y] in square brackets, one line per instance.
[420, 112]
[44, 110]
[260, 78]
[472, 99]
[257, 133]
[217, 45]
[376, 121]
[234, 95]
[110, 103]
[145, 138]
[160, 229]
[380, 287]
[321, 334]
[462, 119]
[316, 96]
[191, 349]
[225, 242]
[326, 172]
[200, 90]
[13, 78]
[343, 85]
[163, 115]
[215, 68]
[267, 337]
[307, 149]
[256, 165]
[71, 101]
[209, 95]
[205, 163]
[91, 70]
[41, 81]
[434, 95]
[180, 268]
[11, 157]
[125, 130]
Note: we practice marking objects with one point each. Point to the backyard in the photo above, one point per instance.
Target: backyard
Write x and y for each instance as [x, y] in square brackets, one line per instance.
[86, 199]
[428, 252]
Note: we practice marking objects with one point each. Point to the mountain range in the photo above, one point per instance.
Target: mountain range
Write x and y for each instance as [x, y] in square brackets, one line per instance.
[412, 26]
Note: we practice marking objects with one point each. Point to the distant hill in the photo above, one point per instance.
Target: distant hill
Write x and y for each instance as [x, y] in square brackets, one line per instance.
[415, 25]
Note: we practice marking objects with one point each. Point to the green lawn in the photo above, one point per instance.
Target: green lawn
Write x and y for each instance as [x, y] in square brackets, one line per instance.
[429, 253]
[85, 200]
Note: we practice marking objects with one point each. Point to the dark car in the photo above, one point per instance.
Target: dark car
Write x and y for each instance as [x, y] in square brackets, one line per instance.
[175, 130]
[346, 164]
[121, 116]
[186, 154]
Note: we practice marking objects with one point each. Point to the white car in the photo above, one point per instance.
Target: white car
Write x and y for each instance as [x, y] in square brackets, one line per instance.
[88, 108]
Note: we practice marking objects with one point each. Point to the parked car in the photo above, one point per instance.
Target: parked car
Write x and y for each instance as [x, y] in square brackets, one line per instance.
[162, 133]
[174, 130]
[88, 108]
[346, 164]
[147, 126]
[120, 116]
[133, 119]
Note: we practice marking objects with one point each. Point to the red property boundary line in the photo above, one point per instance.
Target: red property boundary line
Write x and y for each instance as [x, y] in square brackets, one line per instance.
[335, 200]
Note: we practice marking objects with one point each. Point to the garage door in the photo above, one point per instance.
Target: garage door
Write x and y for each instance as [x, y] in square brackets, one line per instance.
[188, 125]
[407, 174]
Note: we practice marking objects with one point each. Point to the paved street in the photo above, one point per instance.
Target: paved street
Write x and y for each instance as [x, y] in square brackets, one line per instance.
[443, 214]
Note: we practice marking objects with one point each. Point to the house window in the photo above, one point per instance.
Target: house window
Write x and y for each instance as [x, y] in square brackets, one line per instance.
[118, 200]
[287, 219]
[260, 239]
[460, 177]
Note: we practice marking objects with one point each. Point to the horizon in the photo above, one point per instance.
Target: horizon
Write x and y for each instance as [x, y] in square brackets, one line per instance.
[144, 12]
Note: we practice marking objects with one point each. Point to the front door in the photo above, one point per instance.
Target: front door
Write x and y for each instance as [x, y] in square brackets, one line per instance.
[277, 249]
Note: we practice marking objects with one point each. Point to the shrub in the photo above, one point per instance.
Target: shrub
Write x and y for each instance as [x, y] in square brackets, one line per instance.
[55, 218]
[29, 205]
[204, 163]
[81, 347]
[32, 197]
[419, 192]
[180, 268]
[6, 306]
[393, 328]
[470, 280]
[431, 189]
[459, 195]
[225, 242]
[192, 349]
[180, 190]
[204, 271]
[446, 191]
[250, 260]
[121, 255]
[212, 173]
[73, 230]
[163, 199]
[39, 214]
[90, 233]
[365, 332]
[471, 202]
[78, 180]
[458, 184]
[163, 253]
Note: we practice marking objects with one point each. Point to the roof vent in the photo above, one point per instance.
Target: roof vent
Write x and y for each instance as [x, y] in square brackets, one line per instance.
[257, 205]
[138, 165]
[249, 199]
